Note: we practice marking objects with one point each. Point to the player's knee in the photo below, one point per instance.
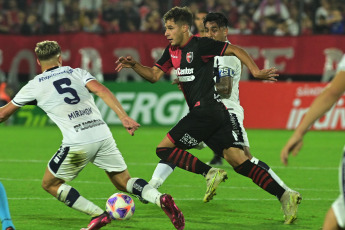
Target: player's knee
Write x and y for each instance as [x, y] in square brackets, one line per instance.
[163, 153]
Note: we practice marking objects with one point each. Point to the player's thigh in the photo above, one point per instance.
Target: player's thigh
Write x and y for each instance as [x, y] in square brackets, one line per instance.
[230, 135]
[198, 125]
[338, 208]
[109, 157]
[68, 161]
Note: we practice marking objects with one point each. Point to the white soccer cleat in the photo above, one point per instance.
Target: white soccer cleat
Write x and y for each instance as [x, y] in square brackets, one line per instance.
[290, 201]
[213, 178]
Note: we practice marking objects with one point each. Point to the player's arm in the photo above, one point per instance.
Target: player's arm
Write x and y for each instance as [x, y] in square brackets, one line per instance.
[109, 98]
[7, 110]
[264, 74]
[320, 106]
[224, 86]
[150, 74]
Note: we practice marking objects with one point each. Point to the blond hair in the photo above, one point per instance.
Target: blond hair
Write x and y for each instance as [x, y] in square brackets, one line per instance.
[46, 50]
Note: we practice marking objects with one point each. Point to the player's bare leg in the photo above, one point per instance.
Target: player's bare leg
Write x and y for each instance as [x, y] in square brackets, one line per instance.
[330, 222]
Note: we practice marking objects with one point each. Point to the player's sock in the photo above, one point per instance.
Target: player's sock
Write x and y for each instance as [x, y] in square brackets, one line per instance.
[5, 216]
[260, 177]
[161, 173]
[270, 171]
[71, 197]
[183, 160]
[140, 187]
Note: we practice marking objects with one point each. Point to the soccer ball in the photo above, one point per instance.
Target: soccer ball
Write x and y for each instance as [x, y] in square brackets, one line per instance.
[120, 206]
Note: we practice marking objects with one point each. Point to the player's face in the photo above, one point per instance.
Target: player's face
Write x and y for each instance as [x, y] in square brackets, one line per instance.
[174, 33]
[212, 30]
[199, 21]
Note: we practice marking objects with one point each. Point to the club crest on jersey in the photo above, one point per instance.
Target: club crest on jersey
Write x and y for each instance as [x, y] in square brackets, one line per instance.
[189, 57]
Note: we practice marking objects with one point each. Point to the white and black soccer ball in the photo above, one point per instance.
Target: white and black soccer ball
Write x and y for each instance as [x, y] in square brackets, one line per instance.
[120, 206]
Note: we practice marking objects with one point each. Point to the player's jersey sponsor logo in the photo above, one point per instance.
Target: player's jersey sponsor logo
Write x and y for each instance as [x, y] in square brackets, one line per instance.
[186, 78]
[189, 57]
[173, 56]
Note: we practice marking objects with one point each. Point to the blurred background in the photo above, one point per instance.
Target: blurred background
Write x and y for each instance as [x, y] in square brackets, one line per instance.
[303, 39]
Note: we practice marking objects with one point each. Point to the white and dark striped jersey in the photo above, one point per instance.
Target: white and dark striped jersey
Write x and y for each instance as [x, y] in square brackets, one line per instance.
[229, 66]
[62, 94]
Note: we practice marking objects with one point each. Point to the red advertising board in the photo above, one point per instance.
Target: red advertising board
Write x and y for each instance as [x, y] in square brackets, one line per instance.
[291, 55]
[282, 105]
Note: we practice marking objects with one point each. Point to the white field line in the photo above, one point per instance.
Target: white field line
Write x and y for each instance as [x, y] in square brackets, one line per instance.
[76, 181]
[187, 199]
[154, 164]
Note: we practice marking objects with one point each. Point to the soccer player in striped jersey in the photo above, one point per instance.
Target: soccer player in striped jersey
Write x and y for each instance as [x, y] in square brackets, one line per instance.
[64, 94]
[335, 217]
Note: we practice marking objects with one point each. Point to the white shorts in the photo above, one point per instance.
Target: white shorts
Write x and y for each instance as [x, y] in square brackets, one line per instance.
[68, 161]
[240, 119]
[339, 204]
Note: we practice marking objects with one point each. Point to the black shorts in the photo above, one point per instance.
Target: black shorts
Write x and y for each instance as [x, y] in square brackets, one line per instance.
[215, 126]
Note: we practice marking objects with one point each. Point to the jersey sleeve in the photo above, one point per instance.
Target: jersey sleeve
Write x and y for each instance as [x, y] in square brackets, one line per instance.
[209, 48]
[25, 95]
[227, 66]
[341, 64]
[164, 63]
[85, 75]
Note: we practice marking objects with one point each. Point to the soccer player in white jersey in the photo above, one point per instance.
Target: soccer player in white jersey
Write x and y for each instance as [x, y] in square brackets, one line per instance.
[64, 94]
[335, 217]
[227, 71]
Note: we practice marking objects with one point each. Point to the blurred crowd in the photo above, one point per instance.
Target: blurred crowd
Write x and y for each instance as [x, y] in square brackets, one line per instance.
[266, 17]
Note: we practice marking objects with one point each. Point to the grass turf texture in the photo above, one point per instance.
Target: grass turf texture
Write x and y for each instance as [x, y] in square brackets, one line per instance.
[239, 203]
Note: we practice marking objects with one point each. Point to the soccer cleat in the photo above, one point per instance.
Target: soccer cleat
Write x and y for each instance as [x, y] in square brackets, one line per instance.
[290, 201]
[213, 178]
[98, 222]
[142, 200]
[172, 211]
[216, 160]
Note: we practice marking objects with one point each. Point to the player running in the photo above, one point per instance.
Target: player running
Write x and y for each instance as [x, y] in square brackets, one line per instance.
[63, 93]
[227, 71]
[208, 119]
[335, 217]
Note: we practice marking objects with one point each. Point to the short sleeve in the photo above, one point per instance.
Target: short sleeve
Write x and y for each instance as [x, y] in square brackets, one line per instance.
[25, 95]
[228, 66]
[341, 64]
[210, 48]
[85, 75]
[164, 63]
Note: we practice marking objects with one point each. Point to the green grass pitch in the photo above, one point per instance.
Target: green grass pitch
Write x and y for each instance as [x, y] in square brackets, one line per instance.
[239, 203]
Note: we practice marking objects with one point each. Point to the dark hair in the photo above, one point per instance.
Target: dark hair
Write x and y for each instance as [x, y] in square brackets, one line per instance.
[180, 15]
[218, 18]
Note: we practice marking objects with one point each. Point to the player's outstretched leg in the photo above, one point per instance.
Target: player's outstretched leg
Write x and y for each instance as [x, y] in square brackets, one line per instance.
[213, 178]
[98, 222]
[290, 201]
[172, 211]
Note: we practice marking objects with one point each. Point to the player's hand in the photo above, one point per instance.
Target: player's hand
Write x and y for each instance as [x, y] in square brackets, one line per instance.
[124, 62]
[130, 125]
[176, 81]
[267, 74]
[293, 146]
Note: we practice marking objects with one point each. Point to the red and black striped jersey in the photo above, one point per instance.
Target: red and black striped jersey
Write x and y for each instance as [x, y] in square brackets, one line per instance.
[193, 64]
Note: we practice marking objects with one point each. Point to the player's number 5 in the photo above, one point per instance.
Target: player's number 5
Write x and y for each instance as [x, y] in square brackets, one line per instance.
[61, 90]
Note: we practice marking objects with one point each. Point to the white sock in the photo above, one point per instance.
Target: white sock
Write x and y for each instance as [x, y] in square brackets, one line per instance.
[144, 190]
[71, 197]
[161, 173]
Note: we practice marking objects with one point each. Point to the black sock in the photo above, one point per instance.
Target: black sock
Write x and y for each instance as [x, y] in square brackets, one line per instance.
[260, 177]
[183, 160]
